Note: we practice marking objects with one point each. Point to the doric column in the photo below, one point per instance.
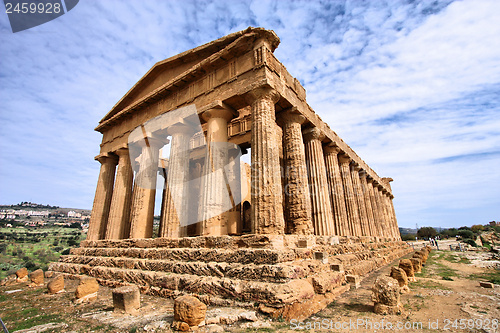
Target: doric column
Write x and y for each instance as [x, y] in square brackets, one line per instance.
[214, 188]
[390, 225]
[391, 202]
[296, 191]
[351, 203]
[175, 208]
[266, 190]
[119, 214]
[143, 196]
[322, 215]
[383, 208]
[376, 212]
[360, 200]
[336, 190]
[102, 199]
[369, 209]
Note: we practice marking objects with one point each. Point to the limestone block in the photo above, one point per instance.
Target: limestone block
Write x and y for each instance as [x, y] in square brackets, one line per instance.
[322, 256]
[180, 326]
[400, 275]
[190, 310]
[327, 281]
[303, 243]
[386, 296]
[56, 285]
[423, 254]
[9, 280]
[36, 277]
[417, 264]
[248, 316]
[337, 267]
[21, 273]
[87, 287]
[49, 274]
[486, 284]
[354, 281]
[407, 266]
[127, 299]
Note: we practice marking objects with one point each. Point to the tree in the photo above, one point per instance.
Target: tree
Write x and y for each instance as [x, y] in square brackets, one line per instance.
[477, 228]
[426, 232]
[466, 234]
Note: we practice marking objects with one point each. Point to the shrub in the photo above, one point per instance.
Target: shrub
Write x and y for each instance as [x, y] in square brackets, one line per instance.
[470, 242]
[466, 234]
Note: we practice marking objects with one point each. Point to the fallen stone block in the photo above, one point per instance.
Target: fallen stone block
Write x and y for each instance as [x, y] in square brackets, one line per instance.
[37, 278]
[56, 285]
[9, 280]
[417, 264]
[86, 290]
[22, 275]
[407, 266]
[486, 284]
[386, 296]
[400, 275]
[190, 310]
[354, 281]
[127, 299]
[321, 256]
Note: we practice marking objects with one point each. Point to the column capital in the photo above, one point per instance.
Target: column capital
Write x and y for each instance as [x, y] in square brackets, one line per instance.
[313, 133]
[369, 179]
[363, 174]
[332, 148]
[106, 158]
[344, 159]
[180, 128]
[292, 116]
[356, 167]
[218, 109]
[123, 151]
[263, 92]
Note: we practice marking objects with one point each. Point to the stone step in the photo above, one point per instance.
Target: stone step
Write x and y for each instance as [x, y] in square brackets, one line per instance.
[242, 256]
[170, 284]
[281, 272]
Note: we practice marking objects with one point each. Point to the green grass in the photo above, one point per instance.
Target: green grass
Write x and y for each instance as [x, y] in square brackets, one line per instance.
[428, 285]
[493, 276]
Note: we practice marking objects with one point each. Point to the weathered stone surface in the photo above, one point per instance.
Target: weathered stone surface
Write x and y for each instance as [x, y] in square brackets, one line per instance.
[126, 299]
[327, 281]
[36, 277]
[9, 280]
[400, 275]
[417, 264]
[190, 310]
[21, 273]
[354, 281]
[49, 274]
[407, 266]
[422, 254]
[87, 286]
[486, 284]
[180, 326]
[386, 295]
[56, 285]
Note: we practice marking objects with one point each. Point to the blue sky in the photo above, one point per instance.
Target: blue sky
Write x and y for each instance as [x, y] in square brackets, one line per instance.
[412, 86]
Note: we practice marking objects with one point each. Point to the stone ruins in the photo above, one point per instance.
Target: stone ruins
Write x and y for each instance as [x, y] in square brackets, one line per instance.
[281, 233]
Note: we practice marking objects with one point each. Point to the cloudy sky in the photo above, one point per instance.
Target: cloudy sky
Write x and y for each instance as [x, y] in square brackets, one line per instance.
[412, 86]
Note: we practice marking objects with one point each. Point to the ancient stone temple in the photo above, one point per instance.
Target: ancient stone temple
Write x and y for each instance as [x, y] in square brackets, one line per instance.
[283, 231]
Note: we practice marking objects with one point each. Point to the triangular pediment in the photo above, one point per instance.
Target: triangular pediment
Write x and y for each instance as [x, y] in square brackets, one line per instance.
[168, 69]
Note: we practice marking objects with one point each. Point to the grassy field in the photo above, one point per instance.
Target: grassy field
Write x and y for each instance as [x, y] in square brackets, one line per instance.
[34, 248]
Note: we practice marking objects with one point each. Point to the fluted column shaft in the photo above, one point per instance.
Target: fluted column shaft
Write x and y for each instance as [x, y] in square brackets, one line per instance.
[336, 191]
[102, 199]
[297, 199]
[383, 208]
[368, 205]
[214, 188]
[393, 211]
[360, 200]
[266, 189]
[376, 211]
[119, 214]
[322, 215]
[390, 220]
[350, 199]
[175, 204]
[143, 197]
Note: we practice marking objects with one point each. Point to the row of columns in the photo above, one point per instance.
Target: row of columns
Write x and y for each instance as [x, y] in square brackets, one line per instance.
[324, 192]
[333, 194]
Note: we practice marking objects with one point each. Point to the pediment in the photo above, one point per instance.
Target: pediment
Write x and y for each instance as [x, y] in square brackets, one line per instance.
[173, 67]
